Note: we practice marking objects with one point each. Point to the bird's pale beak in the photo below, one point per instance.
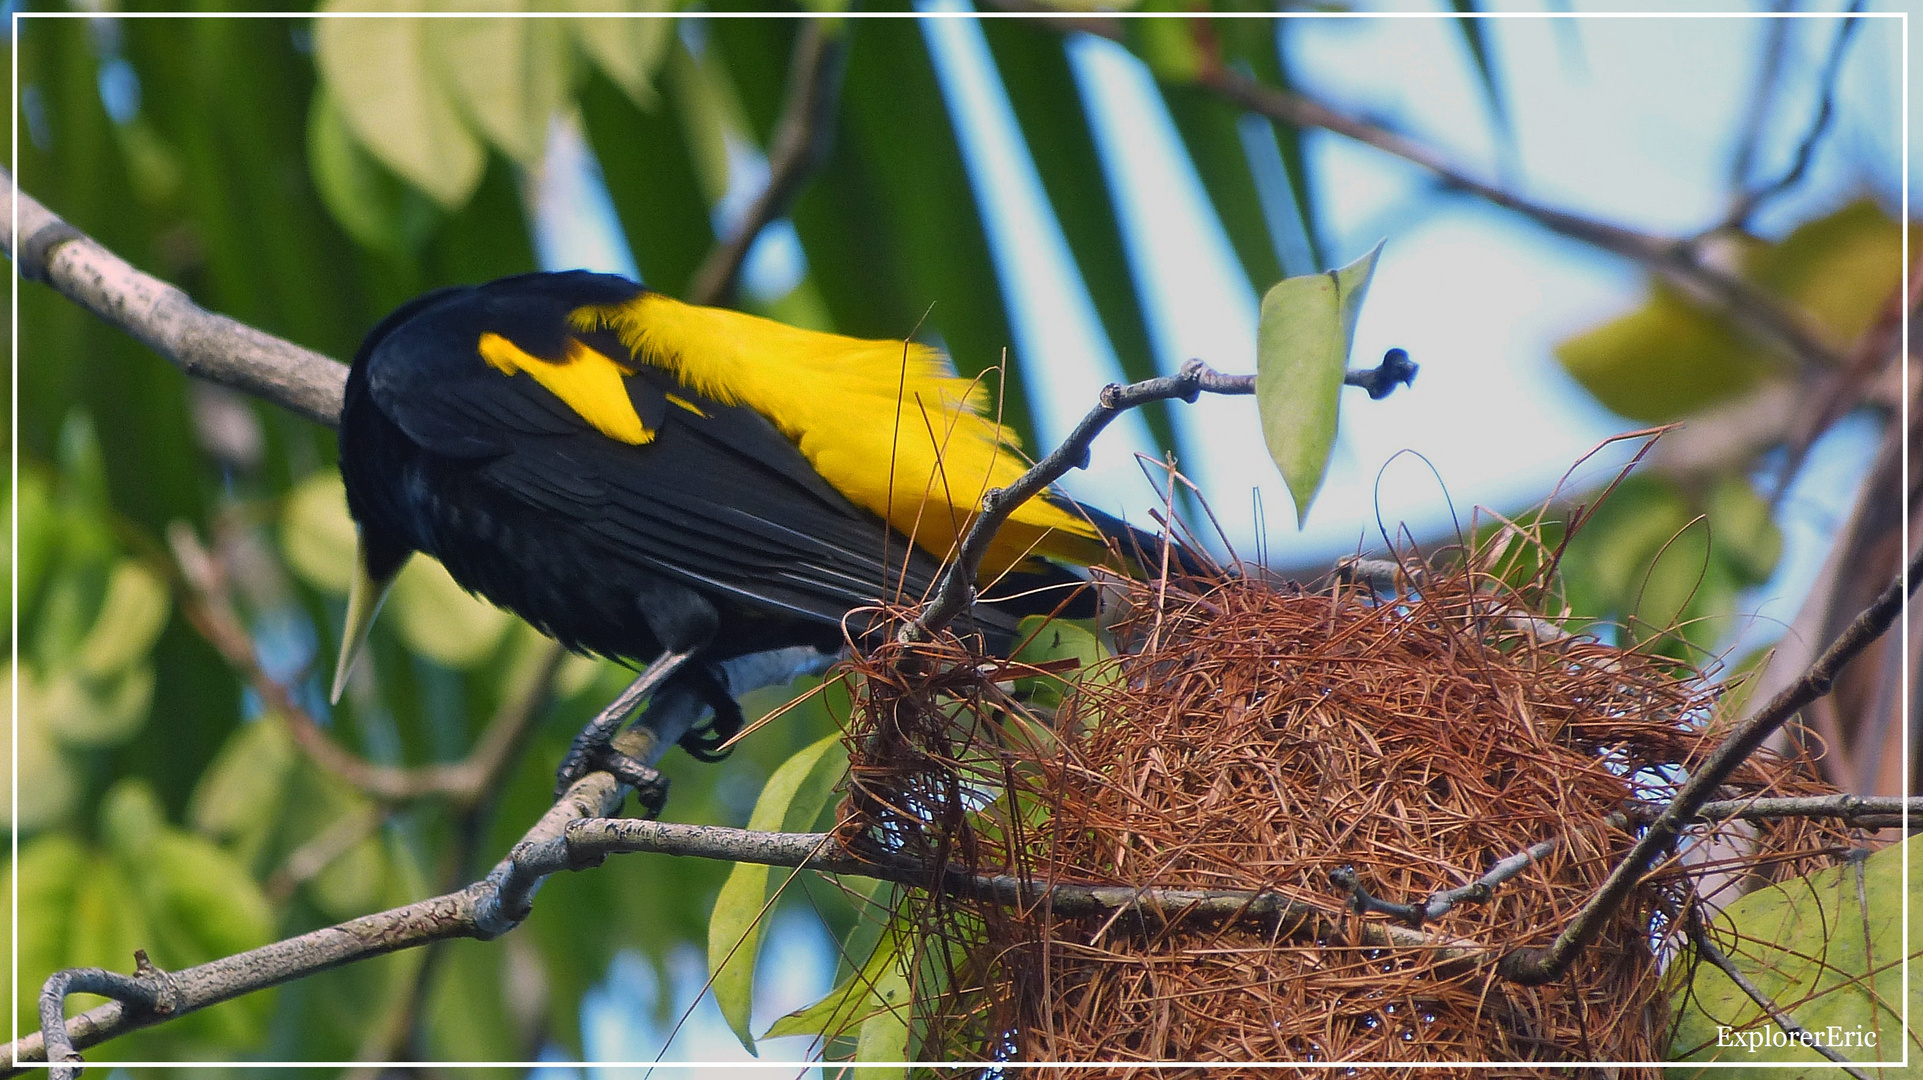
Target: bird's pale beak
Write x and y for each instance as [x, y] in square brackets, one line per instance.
[363, 603]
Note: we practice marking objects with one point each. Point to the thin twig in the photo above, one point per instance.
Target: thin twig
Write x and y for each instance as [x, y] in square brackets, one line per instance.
[1532, 966]
[956, 592]
[1706, 948]
[1854, 811]
[1747, 204]
[802, 141]
[317, 854]
[1752, 308]
[1673, 260]
[208, 607]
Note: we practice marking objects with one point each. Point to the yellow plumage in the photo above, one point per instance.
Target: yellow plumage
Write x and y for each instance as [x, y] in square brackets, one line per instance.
[854, 406]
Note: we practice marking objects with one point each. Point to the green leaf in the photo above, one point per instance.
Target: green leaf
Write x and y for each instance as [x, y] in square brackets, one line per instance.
[1841, 268]
[49, 875]
[1475, 36]
[651, 176]
[377, 208]
[1663, 361]
[851, 1002]
[1803, 944]
[1047, 103]
[239, 797]
[48, 783]
[316, 534]
[1211, 132]
[37, 531]
[1742, 530]
[442, 621]
[1167, 46]
[1048, 640]
[198, 902]
[105, 925]
[628, 51]
[1301, 352]
[509, 76]
[884, 1034]
[354, 882]
[88, 712]
[791, 801]
[1669, 358]
[385, 81]
[130, 621]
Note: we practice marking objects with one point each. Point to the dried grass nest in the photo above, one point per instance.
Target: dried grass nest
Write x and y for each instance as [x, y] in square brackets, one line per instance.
[1263, 739]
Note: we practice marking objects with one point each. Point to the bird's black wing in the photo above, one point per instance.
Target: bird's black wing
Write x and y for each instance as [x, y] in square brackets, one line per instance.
[718, 499]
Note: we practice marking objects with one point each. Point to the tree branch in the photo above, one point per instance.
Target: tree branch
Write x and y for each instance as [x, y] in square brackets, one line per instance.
[1532, 966]
[802, 141]
[162, 317]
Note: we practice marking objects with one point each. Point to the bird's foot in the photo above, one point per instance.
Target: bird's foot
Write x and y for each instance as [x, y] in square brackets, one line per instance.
[650, 787]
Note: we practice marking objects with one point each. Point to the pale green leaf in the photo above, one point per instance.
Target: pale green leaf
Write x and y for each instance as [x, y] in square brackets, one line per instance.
[1664, 360]
[131, 618]
[442, 621]
[509, 76]
[49, 786]
[131, 818]
[354, 882]
[1803, 944]
[1743, 532]
[106, 924]
[1301, 353]
[791, 801]
[316, 534]
[710, 115]
[1049, 640]
[884, 1035]
[377, 208]
[81, 711]
[388, 89]
[629, 51]
[49, 875]
[239, 796]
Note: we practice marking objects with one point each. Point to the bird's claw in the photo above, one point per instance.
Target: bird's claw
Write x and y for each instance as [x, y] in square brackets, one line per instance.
[650, 787]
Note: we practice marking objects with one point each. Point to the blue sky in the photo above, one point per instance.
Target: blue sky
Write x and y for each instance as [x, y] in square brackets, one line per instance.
[1629, 119]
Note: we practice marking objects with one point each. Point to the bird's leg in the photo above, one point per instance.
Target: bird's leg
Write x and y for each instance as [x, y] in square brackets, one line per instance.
[591, 750]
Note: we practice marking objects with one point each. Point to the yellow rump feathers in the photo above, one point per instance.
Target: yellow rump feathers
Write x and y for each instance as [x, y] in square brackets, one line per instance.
[887, 423]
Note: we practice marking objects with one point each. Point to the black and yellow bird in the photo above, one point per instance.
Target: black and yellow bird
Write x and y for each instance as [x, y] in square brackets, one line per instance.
[678, 486]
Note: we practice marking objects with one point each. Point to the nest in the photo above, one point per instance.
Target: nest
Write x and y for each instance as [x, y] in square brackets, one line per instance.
[1307, 756]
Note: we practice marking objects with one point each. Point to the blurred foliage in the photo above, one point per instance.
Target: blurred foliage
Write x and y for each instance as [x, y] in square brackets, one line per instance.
[1829, 949]
[306, 176]
[1671, 358]
[1667, 563]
